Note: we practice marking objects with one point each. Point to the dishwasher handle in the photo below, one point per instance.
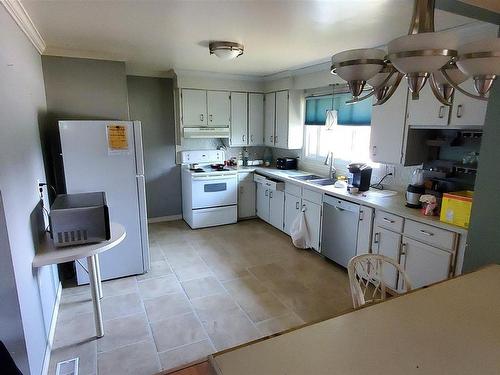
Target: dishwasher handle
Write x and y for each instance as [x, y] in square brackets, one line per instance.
[340, 204]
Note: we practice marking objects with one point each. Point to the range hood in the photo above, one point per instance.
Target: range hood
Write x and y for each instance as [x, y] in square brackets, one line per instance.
[206, 132]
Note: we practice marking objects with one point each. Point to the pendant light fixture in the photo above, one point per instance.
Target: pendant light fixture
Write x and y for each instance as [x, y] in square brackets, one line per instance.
[226, 50]
[422, 55]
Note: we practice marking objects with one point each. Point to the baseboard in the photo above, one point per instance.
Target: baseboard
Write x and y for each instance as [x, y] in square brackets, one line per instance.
[50, 338]
[161, 219]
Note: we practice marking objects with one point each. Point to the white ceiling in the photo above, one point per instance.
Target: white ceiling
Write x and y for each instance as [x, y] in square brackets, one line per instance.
[156, 36]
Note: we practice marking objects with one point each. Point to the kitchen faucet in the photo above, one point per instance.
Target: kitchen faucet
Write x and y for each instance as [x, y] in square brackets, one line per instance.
[332, 172]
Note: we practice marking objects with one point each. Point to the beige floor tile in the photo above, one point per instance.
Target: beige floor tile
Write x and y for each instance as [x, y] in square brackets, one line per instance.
[121, 305]
[152, 288]
[135, 359]
[279, 324]
[158, 269]
[225, 273]
[213, 306]
[194, 271]
[182, 257]
[85, 351]
[74, 304]
[77, 330]
[261, 306]
[116, 287]
[164, 307]
[230, 329]
[244, 285]
[123, 331]
[270, 272]
[203, 287]
[185, 354]
[176, 331]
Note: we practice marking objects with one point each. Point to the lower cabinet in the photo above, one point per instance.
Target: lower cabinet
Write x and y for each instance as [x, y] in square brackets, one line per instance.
[276, 208]
[246, 195]
[387, 243]
[312, 213]
[262, 202]
[365, 226]
[293, 206]
[424, 264]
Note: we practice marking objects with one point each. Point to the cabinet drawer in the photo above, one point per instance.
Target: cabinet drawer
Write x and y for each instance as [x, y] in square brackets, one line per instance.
[293, 189]
[312, 196]
[245, 177]
[259, 178]
[438, 237]
[275, 185]
[389, 221]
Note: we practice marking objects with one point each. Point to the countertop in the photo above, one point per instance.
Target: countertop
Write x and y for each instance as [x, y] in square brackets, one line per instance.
[393, 204]
[448, 328]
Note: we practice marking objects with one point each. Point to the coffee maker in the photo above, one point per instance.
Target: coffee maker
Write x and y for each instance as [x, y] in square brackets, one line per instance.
[361, 175]
[415, 190]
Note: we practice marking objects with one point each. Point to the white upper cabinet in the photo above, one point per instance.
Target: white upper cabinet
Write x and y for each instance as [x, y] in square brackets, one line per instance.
[255, 119]
[281, 132]
[388, 128]
[467, 112]
[269, 118]
[239, 118]
[194, 108]
[283, 119]
[427, 110]
[218, 104]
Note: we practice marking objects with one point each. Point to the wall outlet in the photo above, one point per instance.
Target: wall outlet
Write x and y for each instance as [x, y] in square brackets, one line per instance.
[390, 180]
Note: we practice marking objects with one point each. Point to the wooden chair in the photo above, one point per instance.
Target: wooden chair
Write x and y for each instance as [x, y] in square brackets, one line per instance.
[367, 281]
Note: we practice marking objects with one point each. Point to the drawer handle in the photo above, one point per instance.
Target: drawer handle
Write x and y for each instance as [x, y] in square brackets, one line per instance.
[296, 205]
[270, 194]
[441, 111]
[403, 249]
[266, 193]
[201, 117]
[388, 220]
[426, 233]
[304, 208]
[376, 237]
[460, 110]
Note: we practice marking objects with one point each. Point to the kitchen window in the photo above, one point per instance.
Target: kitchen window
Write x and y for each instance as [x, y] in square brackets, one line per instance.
[332, 125]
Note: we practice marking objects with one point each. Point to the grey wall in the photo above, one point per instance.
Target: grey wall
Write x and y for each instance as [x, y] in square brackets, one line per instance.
[484, 233]
[22, 110]
[151, 101]
[80, 89]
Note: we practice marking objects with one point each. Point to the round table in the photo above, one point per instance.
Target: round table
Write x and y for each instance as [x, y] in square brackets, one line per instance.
[47, 254]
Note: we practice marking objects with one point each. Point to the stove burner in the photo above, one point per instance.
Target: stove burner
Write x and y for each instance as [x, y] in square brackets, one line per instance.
[197, 170]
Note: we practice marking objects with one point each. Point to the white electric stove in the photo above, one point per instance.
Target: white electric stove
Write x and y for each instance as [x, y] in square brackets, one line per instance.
[209, 195]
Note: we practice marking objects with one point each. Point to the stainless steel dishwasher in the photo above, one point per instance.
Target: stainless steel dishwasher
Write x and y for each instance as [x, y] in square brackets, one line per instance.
[339, 234]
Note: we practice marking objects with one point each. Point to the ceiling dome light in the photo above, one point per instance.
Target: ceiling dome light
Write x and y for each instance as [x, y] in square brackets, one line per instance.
[356, 66]
[481, 60]
[226, 50]
[418, 55]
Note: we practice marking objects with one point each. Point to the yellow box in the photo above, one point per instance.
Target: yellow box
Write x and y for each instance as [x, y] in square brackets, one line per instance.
[456, 207]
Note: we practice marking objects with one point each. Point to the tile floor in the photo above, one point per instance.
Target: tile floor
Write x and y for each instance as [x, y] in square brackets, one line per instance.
[208, 290]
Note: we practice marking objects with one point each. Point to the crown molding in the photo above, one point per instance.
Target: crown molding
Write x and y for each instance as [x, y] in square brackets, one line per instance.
[24, 21]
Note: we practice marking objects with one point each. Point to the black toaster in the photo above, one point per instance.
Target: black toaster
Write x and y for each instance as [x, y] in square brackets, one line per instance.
[286, 163]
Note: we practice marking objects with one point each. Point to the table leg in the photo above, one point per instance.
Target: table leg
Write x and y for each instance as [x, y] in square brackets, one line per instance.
[94, 290]
[98, 274]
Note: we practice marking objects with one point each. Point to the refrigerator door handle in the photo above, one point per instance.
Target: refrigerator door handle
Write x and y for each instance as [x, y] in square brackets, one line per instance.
[139, 157]
[143, 221]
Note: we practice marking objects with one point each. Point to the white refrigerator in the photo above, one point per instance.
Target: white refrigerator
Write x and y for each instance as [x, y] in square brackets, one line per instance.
[107, 156]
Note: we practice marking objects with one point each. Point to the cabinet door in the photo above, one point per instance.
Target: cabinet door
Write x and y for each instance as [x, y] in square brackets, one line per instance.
[239, 129]
[194, 108]
[218, 104]
[263, 202]
[313, 220]
[387, 243]
[269, 118]
[255, 119]
[276, 208]
[281, 133]
[427, 110]
[466, 111]
[292, 209]
[425, 264]
[388, 128]
[246, 199]
[365, 227]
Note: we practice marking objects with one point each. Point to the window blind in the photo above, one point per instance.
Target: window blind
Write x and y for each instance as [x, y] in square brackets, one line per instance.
[317, 107]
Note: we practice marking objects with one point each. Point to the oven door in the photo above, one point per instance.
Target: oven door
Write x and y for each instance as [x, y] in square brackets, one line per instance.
[214, 190]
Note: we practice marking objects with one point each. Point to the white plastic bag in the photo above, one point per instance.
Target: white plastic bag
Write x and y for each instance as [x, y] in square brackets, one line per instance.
[299, 232]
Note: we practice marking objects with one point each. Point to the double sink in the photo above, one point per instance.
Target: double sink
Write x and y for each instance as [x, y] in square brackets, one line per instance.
[316, 180]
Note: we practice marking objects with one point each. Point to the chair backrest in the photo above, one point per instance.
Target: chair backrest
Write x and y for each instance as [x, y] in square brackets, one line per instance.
[368, 278]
